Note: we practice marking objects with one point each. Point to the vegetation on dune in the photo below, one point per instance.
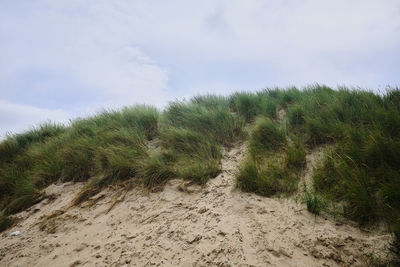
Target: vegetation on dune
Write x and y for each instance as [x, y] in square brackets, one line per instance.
[266, 136]
[114, 146]
[364, 169]
[274, 164]
[361, 171]
[5, 221]
[315, 204]
[109, 145]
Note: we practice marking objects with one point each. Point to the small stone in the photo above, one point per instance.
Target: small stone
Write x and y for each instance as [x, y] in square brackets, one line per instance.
[81, 247]
[285, 253]
[203, 210]
[195, 239]
[221, 233]
[262, 211]
[76, 263]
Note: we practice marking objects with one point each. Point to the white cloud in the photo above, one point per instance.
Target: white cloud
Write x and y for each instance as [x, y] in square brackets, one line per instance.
[91, 42]
[84, 55]
[20, 117]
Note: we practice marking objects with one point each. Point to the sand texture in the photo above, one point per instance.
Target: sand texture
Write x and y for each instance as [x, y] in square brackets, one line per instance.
[185, 225]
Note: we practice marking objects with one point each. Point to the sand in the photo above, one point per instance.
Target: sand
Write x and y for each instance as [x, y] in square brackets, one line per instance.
[186, 225]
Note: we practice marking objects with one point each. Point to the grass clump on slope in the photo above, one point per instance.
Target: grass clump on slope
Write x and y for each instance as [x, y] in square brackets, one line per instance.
[363, 169]
[272, 163]
[113, 146]
[109, 145]
[193, 134]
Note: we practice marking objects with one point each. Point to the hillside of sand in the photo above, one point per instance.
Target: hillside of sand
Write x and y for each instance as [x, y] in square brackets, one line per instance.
[185, 225]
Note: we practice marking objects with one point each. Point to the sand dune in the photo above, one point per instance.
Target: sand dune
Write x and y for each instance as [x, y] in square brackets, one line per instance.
[185, 225]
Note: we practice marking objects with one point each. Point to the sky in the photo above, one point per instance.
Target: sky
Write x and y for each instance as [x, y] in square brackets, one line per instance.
[62, 59]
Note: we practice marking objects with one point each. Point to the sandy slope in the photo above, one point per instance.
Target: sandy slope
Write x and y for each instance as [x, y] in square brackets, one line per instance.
[213, 225]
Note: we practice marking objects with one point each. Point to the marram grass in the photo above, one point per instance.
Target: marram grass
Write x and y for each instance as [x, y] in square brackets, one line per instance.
[362, 170]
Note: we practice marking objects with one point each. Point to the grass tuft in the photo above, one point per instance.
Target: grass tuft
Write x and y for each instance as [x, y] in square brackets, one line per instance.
[266, 136]
[155, 170]
[5, 222]
[314, 203]
[296, 155]
[266, 176]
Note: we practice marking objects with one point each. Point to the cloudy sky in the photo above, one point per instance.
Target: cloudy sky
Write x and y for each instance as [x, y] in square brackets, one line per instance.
[60, 59]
